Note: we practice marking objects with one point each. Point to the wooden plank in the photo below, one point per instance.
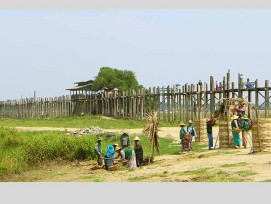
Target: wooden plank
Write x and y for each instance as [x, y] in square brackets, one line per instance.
[186, 105]
[173, 95]
[193, 105]
[164, 103]
[232, 92]
[256, 94]
[266, 99]
[168, 104]
[212, 95]
[142, 102]
[180, 105]
[158, 102]
[205, 107]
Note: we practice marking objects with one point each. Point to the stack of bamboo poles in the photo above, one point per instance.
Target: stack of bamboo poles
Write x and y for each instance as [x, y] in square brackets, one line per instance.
[151, 130]
[225, 138]
[261, 139]
[200, 126]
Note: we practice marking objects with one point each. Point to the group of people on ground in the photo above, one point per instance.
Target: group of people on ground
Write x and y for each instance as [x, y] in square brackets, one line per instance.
[239, 123]
[133, 157]
[187, 135]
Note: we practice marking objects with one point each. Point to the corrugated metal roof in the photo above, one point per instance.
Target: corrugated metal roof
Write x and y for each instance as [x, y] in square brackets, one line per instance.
[84, 87]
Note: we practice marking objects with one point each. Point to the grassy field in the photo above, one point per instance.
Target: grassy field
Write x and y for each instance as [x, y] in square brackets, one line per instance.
[80, 122]
[20, 151]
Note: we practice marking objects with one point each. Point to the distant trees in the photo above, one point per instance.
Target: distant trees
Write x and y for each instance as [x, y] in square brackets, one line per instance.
[114, 78]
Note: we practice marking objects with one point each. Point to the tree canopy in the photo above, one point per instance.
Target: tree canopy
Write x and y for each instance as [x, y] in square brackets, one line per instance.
[114, 78]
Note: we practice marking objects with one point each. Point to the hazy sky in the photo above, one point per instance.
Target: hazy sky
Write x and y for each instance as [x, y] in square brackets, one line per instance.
[48, 50]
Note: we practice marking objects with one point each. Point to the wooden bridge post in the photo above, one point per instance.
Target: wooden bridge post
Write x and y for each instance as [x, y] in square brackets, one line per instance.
[212, 95]
[256, 94]
[163, 104]
[266, 99]
[168, 104]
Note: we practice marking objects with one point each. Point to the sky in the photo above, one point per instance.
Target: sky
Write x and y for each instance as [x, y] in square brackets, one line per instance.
[46, 51]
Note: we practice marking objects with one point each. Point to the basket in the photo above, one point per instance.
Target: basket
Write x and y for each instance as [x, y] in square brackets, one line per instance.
[124, 162]
[114, 167]
[232, 108]
[188, 137]
[95, 167]
[238, 130]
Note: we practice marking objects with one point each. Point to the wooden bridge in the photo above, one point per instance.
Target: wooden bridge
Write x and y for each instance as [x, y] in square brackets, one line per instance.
[174, 103]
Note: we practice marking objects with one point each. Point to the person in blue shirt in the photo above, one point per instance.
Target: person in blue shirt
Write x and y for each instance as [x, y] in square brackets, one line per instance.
[191, 131]
[109, 157]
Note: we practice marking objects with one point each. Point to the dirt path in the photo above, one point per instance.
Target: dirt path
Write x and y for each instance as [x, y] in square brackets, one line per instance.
[215, 165]
[163, 132]
[167, 168]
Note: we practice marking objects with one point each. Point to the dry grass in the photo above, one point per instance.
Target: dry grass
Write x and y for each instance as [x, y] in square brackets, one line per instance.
[151, 130]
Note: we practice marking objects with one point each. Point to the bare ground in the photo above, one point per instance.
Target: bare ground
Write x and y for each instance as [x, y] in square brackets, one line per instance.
[215, 165]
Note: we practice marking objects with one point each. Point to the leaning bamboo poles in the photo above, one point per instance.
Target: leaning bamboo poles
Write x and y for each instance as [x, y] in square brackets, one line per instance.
[232, 101]
[151, 130]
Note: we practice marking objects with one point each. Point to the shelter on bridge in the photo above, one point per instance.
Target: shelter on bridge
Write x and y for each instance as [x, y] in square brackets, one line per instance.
[81, 91]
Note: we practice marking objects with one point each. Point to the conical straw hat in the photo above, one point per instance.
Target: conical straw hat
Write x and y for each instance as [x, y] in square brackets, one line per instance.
[182, 124]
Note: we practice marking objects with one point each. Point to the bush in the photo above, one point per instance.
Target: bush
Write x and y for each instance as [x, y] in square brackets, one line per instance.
[10, 138]
[54, 145]
[19, 150]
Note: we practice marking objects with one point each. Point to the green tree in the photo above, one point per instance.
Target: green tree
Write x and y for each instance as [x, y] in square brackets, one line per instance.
[114, 78]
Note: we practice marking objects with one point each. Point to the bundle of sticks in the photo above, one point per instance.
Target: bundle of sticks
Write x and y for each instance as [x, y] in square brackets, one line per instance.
[151, 130]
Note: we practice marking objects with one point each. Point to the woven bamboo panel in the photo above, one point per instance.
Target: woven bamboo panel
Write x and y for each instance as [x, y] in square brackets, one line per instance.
[263, 142]
[201, 130]
[225, 136]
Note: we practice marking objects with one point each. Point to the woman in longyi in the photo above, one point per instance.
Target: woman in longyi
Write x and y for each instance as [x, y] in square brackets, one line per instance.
[235, 131]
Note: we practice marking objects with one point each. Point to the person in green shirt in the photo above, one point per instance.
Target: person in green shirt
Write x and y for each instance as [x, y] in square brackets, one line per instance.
[210, 123]
[138, 152]
[245, 129]
[98, 151]
[129, 155]
[235, 131]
